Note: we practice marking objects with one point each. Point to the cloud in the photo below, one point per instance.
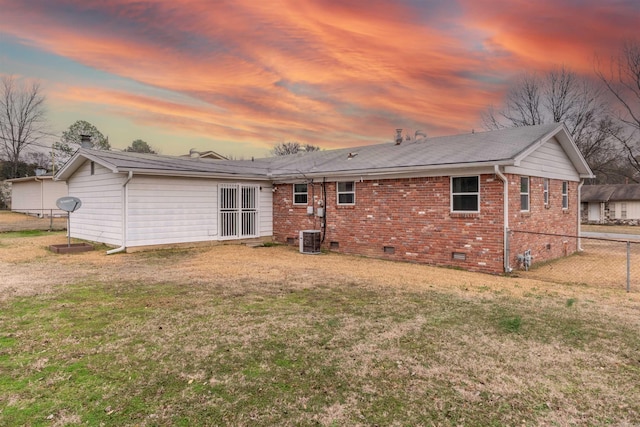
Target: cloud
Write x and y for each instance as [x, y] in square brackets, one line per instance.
[329, 72]
[542, 34]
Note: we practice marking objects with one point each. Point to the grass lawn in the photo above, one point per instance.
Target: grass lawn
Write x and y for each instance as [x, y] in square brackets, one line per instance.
[616, 229]
[239, 336]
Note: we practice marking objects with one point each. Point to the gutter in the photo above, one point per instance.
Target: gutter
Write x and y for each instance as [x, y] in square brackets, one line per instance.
[418, 170]
[124, 216]
[505, 209]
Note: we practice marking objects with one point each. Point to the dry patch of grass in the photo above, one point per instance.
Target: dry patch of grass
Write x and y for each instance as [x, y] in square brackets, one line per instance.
[602, 265]
[13, 221]
[231, 335]
[617, 229]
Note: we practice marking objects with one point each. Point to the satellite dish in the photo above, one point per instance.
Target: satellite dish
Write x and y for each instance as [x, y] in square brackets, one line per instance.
[68, 204]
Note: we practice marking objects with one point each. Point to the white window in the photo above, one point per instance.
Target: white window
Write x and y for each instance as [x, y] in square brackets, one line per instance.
[524, 193]
[565, 195]
[465, 194]
[623, 210]
[545, 191]
[300, 194]
[347, 193]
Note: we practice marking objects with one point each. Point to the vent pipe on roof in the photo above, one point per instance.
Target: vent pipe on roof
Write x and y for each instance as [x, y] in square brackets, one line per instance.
[85, 141]
[398, 136]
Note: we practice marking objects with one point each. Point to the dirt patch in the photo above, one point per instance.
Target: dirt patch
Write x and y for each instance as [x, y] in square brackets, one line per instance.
[14, 221]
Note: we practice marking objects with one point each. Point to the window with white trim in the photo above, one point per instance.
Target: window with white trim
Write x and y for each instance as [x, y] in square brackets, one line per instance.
[524, 193]
[300, 194]
[545, 191]
[465, 194]
[347, 193]
[565, 195]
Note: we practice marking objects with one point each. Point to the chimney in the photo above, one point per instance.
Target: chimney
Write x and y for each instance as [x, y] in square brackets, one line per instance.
[85, 141]
[398, 136]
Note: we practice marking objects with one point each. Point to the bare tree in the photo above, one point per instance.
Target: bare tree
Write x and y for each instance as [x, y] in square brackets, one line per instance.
[286, 148]
[22, 118]
[623, 82]
[308, 148]
[561, 96]
[39, 160]
[521, 105]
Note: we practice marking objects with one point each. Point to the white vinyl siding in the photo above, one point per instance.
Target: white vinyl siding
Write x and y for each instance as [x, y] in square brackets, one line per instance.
[266, 211]
[37, 197]
[550, 161]
[166, 210]
[625, 210]
[99, 219]
[160, 210]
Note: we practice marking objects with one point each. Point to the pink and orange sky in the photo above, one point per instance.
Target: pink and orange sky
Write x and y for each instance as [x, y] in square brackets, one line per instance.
[241, 76]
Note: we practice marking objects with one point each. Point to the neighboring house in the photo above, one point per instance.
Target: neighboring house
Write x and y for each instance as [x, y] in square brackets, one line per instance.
[37, 195]
[193, 153]
[611, 204]
[474, 201]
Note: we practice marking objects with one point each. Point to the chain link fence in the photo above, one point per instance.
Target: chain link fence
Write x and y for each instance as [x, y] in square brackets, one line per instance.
[599, 261]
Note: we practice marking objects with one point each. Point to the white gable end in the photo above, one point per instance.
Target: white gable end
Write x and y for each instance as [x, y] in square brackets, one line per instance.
[100, 217]
[548, 161]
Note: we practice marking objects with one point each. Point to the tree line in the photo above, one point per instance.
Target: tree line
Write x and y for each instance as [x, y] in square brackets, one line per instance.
[23, 127]
[601, 112]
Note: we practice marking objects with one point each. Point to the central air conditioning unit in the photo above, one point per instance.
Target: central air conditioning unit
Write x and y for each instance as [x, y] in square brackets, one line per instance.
[309, 241]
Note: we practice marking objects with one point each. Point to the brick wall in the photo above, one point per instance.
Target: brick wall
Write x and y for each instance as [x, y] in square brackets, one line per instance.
[550, 221]
[402, 219]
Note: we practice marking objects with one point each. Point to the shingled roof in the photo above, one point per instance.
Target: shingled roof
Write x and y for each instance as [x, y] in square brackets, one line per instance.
[610, 192]
[475, 149]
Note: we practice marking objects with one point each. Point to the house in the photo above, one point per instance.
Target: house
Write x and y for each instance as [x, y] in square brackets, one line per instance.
[37, 195]
[479, 201]
[611, 204]
[205, 155]
[134, 200]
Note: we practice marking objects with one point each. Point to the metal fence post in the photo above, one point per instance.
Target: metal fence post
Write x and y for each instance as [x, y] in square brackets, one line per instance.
[628, 265]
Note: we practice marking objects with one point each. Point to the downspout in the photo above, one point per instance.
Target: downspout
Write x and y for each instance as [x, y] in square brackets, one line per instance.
[579, 247]
[505, 209]
[124, 216]
[41, 181]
